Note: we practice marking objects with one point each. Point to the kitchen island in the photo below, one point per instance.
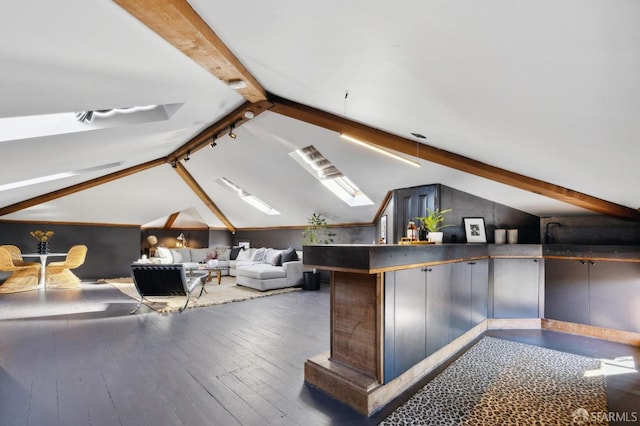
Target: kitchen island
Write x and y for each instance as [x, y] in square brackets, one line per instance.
[399, 311]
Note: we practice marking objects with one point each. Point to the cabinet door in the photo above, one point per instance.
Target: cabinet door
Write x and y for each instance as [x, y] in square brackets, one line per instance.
[460, 299]
[479, 290]
[566, 291]
[516, 288]
[409, 309]
[438, 320]
[615, 295]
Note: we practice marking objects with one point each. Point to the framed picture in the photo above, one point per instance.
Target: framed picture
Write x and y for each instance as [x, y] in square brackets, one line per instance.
[383, 229]
[245, 244]
[474, 229]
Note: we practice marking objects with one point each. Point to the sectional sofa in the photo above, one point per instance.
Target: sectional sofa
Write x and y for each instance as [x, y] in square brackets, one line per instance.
[259, 268]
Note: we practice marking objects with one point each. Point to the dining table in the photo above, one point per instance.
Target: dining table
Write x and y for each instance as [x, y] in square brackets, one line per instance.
[43, 263]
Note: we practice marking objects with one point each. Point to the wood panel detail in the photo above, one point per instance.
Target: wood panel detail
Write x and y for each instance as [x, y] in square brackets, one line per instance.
[197, 189]
[183, 28]
[355, 322]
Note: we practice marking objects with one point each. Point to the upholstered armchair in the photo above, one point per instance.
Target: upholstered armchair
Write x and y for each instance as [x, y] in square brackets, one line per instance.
[59, 275]
[16, 256]
[23, 278]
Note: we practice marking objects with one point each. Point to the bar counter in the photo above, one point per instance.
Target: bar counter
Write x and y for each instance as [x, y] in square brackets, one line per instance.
[399, 311]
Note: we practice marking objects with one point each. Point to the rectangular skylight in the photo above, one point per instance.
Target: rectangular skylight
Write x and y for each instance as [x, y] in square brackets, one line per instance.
[322, 169]
[34, 126]
[252, 200]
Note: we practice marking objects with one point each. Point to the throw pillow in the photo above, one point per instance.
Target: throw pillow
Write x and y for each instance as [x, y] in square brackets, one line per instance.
[271, 253]
[277, 259]
[244, 255]
[164, 253]
[258, 256]
[234, 253]
[223, 253]
[177, 257]
[289, 255]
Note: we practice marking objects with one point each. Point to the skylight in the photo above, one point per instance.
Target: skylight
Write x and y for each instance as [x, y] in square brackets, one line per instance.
[34, 126]
[56, 176]
[252, 200]
[322, 169]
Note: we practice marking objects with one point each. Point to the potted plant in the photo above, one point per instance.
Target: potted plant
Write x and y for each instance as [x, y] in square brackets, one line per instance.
[316, 232]
[433, 222]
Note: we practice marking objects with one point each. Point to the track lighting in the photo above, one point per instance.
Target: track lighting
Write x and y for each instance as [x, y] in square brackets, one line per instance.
[174, 164]
[213, 143]
[231, 134]
[187, 158]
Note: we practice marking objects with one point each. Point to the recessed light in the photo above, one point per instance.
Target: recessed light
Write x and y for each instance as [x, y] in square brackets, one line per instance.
[249, 114]
[237, 84]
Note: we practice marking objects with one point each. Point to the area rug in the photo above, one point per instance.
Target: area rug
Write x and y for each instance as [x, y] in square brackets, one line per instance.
[215, 294]
[498, 382]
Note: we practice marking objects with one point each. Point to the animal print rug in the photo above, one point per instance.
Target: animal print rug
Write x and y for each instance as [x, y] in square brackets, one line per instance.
[499, 382]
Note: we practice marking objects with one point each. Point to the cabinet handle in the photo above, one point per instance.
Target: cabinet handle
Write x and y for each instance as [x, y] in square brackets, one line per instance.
[535, 260]
[583, 262]
[591, 262]
[472, 263]
[426, 269]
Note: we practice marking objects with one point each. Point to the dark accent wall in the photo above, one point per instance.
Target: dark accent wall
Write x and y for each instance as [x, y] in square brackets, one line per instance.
[495, 216]
[283, 238]
[591, 229]
[196, 238]
[111, 249]
[464, 205]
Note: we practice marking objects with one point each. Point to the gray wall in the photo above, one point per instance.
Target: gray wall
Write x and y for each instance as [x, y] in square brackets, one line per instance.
[495, 216]
[111, 249]
[196, 238]
[592, 229]
[283, 238]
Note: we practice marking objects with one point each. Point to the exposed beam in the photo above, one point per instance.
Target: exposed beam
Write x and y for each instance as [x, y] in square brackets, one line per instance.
[449, 159]
[79, 187]
[236, 117]
[195, 187]
[182, 27]
[171, 220]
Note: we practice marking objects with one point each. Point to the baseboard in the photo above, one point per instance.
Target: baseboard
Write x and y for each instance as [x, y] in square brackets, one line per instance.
[609, 334]
[513, 324]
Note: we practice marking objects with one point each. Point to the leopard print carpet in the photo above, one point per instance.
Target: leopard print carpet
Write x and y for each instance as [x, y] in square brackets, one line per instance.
[498, 382]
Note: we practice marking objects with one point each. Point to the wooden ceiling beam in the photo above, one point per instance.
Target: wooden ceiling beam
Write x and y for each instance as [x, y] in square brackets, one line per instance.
[171, 220]
[439, 156]
[79, 187]
[180, 25]
[236, 118]
[197, 189]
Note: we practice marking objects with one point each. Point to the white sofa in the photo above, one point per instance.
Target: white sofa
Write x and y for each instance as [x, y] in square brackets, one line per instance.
[192, 257]
[258, 268]
[266, 268]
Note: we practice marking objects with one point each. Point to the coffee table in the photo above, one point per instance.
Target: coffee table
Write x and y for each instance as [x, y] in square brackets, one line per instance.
[218, 271]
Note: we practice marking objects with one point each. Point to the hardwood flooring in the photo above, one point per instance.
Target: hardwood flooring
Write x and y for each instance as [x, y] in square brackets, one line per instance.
[76, 357]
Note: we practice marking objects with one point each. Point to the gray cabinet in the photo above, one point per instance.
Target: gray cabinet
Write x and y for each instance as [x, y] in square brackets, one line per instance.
[516, 288]
[600, 293]
[438, 305]
[426, 308]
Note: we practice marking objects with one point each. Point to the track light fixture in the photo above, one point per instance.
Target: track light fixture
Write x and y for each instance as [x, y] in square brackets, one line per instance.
[174, 164]
[231, 134]
[213, 142]
[187, 158]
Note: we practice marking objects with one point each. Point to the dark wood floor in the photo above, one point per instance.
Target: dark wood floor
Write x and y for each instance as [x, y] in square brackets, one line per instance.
[76, 357]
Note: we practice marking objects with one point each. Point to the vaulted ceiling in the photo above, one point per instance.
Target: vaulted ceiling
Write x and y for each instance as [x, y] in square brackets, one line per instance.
[532, 104]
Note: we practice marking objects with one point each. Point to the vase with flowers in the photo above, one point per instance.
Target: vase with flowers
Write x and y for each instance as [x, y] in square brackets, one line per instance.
[43, 240]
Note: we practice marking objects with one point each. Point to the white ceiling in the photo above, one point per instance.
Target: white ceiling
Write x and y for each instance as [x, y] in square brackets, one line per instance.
[546, 89]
